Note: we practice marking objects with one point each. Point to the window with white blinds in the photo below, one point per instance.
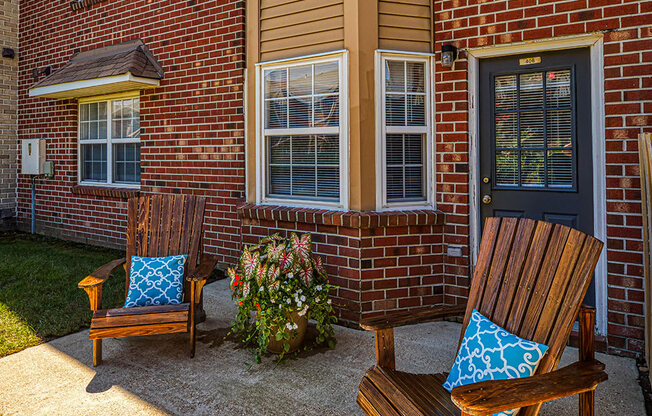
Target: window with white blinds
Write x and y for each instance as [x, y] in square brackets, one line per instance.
[109, 141]
[302, 134]
[405, 130]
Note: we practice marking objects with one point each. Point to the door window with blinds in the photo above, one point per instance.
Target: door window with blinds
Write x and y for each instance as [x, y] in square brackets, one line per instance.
[302, 131]
[534, 130]
[109, 142]
[405, 130]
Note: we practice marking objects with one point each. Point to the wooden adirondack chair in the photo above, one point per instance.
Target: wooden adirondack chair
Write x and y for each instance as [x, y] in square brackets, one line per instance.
[158, 225]
[530, 278]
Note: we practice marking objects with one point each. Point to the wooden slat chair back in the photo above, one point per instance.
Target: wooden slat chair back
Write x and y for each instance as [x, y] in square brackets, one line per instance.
[530, 278]
[165, 225]
[157, 226]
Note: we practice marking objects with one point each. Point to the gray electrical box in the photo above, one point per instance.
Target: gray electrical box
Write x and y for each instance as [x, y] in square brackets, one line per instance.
[33, 156]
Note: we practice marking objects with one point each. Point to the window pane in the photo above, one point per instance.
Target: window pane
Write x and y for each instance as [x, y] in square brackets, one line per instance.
[304, 166]
[92, 111]
[531, 90]
[275, 83]
[136, 107]
[395, 76]
[276, 114]
[405, 168]
[395, 110]
[116, 111]
[83, 131]
[506, 130]
[532, 129]
[93, 162]
[279, 150]
[303, 181]
[416, 111]
[327, 78]
[303, 150]
[532, 168]
[507, 167]
[558, 128]
[328, 183]
[279, 180]
[126, 163]
[505, 92]
[558, 90]
[301, 80]
[560, 168]
[415, 81]
[327, 111]
[116, 129]
[101, 113]
[300, 112]
[83, 112]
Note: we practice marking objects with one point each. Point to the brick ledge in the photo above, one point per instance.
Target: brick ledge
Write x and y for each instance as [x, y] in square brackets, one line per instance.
[120, 193]
[353, 219]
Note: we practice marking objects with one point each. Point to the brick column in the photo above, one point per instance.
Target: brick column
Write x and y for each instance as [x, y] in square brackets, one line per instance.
[8, 113]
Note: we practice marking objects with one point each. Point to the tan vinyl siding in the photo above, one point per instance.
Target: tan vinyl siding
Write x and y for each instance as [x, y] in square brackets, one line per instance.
[300, 27]
[405, 25]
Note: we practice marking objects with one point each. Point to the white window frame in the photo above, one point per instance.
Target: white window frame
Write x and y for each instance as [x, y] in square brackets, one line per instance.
[108, 142]
[382, 130]
[343, 130]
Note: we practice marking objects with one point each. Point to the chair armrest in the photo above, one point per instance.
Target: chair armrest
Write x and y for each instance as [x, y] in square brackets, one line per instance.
[489, 397]
[402, 318]
[99, 276]
[203, 271]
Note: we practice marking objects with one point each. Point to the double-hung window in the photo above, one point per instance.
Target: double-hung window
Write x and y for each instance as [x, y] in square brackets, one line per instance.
[404, 144]
[109, 141]
[303, 148]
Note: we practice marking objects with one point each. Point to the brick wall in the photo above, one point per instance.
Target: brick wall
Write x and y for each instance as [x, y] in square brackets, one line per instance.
[628, 105]
[379, 261]
[8, 113]
[192, 125]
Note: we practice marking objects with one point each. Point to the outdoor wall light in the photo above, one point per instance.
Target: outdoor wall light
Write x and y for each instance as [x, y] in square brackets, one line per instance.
[448, 55]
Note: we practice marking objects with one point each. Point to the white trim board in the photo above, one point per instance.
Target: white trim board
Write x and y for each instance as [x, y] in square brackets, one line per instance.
[595, 43]
[95, 86]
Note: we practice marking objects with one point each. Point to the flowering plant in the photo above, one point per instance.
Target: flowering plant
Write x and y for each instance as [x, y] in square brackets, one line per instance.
[277, 279]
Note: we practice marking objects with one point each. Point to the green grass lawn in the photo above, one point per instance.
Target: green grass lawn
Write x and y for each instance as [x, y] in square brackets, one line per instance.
[39, 298]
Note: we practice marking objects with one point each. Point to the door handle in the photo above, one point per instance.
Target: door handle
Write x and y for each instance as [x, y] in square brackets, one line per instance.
[486, 199]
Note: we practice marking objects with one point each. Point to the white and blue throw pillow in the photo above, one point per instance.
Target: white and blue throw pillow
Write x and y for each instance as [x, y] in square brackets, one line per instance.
[155, 281]
[489, 352]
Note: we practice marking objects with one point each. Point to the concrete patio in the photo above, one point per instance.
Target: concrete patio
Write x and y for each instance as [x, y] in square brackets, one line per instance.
[152, 375]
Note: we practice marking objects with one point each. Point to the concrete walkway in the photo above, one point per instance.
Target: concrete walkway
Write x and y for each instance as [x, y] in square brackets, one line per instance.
[152, 375]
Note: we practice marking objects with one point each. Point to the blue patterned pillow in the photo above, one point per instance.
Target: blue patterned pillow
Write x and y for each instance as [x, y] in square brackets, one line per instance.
[488, 352]
[155, 281]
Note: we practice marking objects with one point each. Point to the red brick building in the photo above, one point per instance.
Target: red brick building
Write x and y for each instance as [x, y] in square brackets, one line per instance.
[337, 117]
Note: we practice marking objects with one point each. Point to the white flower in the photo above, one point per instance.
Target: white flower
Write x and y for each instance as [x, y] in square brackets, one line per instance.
[288, 301]
[299, 304]
[303, 311]
[300, 291]
[261, 289]
[272, 300]
[288, 325]
[290, 275]
[303, 298]
[329, 301]
[317, 300]
[295, 326]
[318, 287]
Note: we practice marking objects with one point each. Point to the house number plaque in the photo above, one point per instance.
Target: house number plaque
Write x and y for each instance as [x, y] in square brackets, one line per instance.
[529, 61]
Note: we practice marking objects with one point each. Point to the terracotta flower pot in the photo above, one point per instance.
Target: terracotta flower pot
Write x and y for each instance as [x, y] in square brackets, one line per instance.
[295, 342]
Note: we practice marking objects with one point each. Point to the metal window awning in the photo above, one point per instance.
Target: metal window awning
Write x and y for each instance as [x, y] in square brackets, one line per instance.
[111, 69]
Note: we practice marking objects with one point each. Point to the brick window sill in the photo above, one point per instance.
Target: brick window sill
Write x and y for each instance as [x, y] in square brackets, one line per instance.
[352, 219]
[105, 191]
